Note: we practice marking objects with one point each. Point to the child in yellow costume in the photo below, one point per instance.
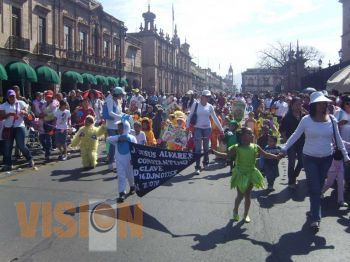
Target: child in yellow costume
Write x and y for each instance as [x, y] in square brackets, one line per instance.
[148, 130]
[87, 139]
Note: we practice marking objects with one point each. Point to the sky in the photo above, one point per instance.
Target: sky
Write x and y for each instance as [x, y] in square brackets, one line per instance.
[225, 32]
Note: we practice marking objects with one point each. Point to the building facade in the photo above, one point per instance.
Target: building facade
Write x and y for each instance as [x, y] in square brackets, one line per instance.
[133, 62]
[345, 50]
[198, 78]
[66, 35]
[166, 63]
[260, 80]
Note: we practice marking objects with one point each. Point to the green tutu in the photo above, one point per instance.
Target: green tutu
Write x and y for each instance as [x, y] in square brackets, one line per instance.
[242, 179]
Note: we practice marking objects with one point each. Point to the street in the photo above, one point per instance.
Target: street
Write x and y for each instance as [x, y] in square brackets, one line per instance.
[187, 219]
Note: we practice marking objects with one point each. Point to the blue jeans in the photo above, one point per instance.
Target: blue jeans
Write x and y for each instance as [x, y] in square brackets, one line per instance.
[316, 169]
[46, 142]
[111, 151]
[201, 134]
[347, 175]
[19, 136]
[294, 153]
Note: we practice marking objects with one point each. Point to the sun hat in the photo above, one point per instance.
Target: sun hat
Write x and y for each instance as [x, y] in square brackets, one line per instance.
[190, 92]
[206, 93]
[317, 97]
[11, 92]
[118, 91]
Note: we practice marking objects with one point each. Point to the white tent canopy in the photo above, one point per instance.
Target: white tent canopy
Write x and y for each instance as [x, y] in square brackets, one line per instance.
[340, 80]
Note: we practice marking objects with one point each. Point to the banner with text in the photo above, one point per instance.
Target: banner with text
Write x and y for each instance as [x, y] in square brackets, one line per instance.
[154, 166]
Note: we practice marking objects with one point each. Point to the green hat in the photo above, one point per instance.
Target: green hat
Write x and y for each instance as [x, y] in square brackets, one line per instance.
[233, 122]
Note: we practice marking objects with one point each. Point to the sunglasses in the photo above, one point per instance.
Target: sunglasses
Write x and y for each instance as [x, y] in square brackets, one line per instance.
[347, 103]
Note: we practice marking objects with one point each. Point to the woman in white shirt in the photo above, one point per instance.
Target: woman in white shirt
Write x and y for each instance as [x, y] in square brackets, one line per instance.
[202, 127]
[318, 150]
[13, 111]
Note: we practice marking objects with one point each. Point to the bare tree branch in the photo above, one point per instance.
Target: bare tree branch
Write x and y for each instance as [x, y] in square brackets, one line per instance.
[277, 54]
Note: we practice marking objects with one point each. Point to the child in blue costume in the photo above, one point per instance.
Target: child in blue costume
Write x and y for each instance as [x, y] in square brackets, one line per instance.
[245, 175]
[123, 158]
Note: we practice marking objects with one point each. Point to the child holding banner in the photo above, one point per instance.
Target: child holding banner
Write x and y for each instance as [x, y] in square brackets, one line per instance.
[123, 158]
[245, 175]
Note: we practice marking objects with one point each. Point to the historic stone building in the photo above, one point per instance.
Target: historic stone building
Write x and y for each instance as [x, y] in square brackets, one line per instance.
[198, 78]
[66, 35]
[259, 80]
[166, 63]
[345, 50]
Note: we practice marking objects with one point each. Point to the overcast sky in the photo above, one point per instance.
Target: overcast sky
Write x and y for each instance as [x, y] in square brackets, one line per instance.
[225, 32]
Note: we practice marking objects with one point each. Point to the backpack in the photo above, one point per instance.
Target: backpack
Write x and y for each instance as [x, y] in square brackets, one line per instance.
[105, 113]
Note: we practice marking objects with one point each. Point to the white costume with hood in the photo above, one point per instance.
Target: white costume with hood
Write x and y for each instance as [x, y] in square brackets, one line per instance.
[123, 157]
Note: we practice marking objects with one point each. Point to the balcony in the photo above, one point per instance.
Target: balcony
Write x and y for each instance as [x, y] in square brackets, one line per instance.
[17, 42]
[71, 55]
[45, 49]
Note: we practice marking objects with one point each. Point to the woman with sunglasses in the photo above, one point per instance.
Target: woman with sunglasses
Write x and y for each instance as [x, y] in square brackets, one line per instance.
[318, 150]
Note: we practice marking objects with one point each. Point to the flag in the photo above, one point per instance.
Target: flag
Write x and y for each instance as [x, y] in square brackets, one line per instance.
[154, 166]
[173, 14]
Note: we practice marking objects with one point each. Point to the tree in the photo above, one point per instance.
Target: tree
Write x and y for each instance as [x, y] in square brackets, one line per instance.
[277, 54]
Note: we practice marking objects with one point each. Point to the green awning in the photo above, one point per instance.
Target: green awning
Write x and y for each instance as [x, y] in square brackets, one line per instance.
[123, 82]
[101, 80]
[21, 71]
[72, 77]
[47, 75]
[89, 79]
[3, 74]
[112, 81]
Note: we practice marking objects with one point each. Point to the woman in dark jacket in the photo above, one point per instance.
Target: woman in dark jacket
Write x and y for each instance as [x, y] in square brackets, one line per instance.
[288, 125]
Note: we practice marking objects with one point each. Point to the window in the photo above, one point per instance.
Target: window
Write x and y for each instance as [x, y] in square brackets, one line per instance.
[42, 30]
[159, 55]
[67, 37]
[250, 81]
[116, 51]
[83, 42]
[16, 21]
[106, 48]
[266, 81]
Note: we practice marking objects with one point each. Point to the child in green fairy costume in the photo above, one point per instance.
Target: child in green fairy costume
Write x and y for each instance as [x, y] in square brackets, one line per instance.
[245, 175]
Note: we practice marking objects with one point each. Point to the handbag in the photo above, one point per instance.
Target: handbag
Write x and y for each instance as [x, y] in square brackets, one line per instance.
[8, 133]
[193, 120]
[337, 155]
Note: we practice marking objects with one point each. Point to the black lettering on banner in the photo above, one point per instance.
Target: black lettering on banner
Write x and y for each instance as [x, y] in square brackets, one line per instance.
[154, 166]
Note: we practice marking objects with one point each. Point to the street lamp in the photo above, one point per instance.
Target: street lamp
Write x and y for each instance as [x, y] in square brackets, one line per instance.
[340, 53]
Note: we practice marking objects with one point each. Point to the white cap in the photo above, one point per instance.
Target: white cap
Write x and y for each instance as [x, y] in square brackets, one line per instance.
[189, 92]
[206, 93]
[317, 97]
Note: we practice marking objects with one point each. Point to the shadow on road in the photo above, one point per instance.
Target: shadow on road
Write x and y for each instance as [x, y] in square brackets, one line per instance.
[292, 244]
[222, 235]
[79, 174]
[268, 200]
[127, 214]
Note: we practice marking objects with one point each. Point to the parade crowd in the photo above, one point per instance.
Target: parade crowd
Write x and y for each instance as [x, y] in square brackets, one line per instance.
[250, 133]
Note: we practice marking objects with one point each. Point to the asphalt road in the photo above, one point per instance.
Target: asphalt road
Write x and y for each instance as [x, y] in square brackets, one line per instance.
[187, 219]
